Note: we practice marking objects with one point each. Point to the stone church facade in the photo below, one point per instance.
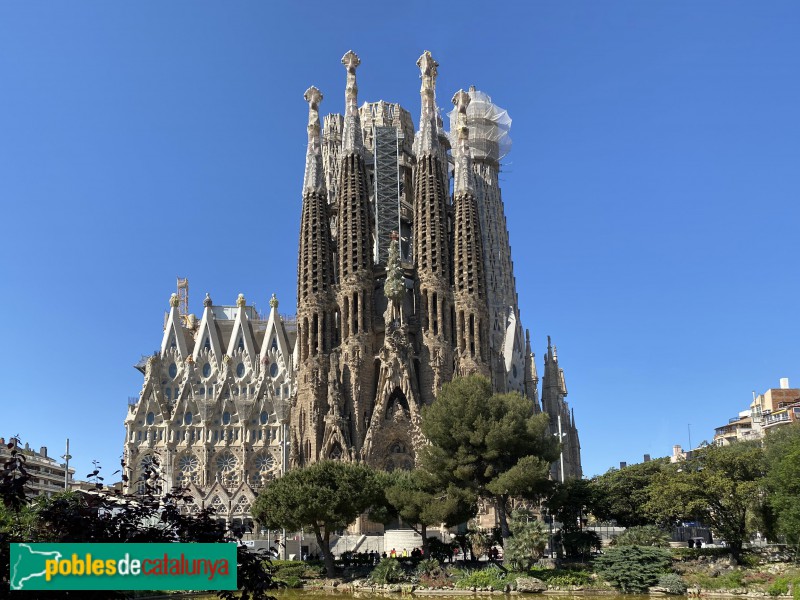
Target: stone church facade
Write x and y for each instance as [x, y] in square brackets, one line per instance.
[401, 285]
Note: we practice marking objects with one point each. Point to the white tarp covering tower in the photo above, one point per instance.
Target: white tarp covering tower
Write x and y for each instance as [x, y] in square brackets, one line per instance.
[490, 141]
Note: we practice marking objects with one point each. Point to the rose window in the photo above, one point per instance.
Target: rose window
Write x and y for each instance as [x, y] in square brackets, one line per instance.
[187, 469]
[226, 469]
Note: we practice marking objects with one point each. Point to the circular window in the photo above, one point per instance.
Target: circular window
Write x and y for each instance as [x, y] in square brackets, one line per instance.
[264, 462]
[240, 370]
[188, 463]
[226, 418]
[273, 369]
[207, 370]
[187, 418]
[173, 370]
[151, 417]
[226, 462]
[264, 417]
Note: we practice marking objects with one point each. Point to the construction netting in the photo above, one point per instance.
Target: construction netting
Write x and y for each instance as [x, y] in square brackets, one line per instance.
[489, 127]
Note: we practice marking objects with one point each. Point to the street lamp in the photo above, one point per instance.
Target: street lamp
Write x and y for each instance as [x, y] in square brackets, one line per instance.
[560, 435]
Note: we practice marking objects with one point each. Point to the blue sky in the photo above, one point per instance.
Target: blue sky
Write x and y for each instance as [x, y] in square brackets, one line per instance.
[651, 192]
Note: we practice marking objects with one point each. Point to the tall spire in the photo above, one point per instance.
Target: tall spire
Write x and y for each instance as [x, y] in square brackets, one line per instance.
[352, 140]
[463, 169]
[314, 179]
[427, 140]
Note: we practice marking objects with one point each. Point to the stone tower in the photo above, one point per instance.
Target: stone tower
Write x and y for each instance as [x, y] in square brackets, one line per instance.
[431, 242]
[422, 287]
[562, 420]
[471, 310]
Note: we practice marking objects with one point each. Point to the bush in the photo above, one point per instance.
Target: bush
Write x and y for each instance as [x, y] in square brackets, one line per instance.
[387, 571]
[779, 587]
[580, 544]
[527, 542]
[290, 582]
[563, 577]
[429, 567]
[491, 577]
[633, 569]
[672, 583]
[645, 535]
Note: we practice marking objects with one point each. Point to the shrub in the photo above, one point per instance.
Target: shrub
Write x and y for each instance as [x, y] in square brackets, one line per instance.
[527, 543]
[563, 577]
[387, 571]
[580, 544]
[672, 583]
[429, 567]
[290, 582]
[633, 569]
[645, 535]
[491, 576]
[779, 587]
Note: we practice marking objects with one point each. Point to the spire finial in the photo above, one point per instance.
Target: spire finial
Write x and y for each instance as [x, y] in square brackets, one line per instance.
[273, 302]
[462, 179]
[314, 179]
[351, 135]
[174, 301]
[428, 68]
[240, 301]
[549, 345]
[207, 300]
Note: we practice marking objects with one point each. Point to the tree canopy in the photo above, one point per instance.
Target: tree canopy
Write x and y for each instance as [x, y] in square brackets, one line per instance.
[491, 444]
[782, 448]
[720, 485]
[419, 502]
[621, 494]
[324, 497]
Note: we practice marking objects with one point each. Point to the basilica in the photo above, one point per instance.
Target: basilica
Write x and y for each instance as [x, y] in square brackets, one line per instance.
[404, 281]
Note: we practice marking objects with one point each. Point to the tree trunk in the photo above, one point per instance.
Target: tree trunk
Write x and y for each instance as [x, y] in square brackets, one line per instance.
[500, 507]
[424, 533]
[325, 546]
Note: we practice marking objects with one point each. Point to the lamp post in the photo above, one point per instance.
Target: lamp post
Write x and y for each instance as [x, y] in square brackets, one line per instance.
[66, 458]
[560, 435]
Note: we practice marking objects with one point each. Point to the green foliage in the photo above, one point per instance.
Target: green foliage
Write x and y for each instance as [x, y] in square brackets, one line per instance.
[779, 587]
[570, 502]
[326, 496]
[428, 566]
[782, 449]
[633, 569]
[527, 542]
[282, 569]
[672, 583]
[729, 580]
[415, 497]
[440, 550]
[580, 544]
[563, 577]
[78, 517]
[643, 535]
[719, 485]
[620, 494]
[387, 571]
[489, 577]
[492, 445]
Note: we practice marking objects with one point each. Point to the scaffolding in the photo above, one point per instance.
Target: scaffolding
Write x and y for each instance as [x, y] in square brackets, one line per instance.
[489, 127]
[387, 189]
[183, 296]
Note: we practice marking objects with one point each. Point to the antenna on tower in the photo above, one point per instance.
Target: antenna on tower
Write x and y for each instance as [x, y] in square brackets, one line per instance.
[183, 296]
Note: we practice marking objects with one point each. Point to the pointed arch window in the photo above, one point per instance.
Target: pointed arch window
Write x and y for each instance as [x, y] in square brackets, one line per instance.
[274, 344]
[240, 345]
[207, 343]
